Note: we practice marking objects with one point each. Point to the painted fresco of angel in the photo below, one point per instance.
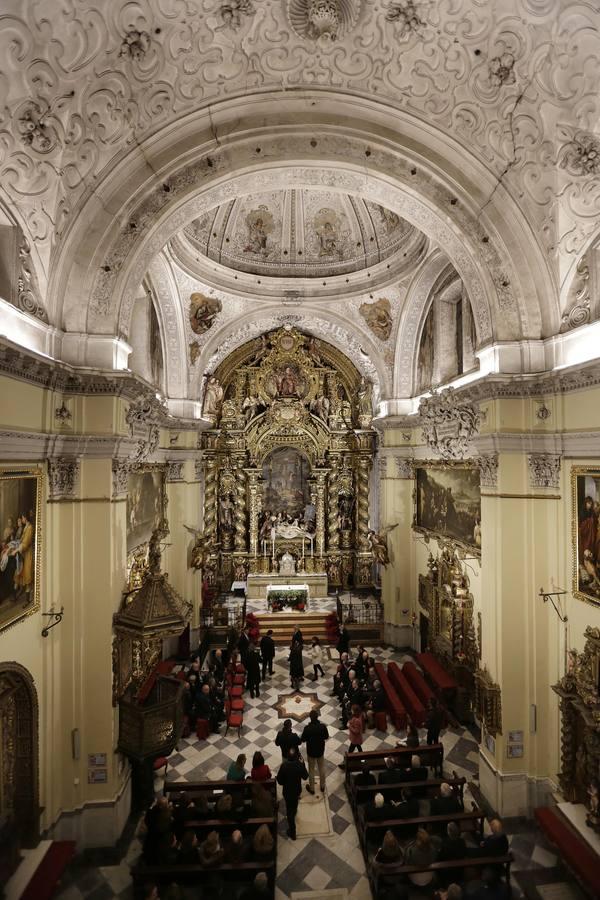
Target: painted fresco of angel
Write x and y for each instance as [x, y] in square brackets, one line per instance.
[379, 544]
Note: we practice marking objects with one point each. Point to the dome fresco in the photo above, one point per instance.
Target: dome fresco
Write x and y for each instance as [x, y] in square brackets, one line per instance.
[300, 233]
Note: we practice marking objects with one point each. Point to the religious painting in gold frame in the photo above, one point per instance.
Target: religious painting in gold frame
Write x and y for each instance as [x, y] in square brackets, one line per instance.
[20, 544]
[146, 504]
[447, 503]
[585, 487]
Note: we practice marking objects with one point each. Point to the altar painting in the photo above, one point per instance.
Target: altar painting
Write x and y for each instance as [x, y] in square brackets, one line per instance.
[448, 503]
[145, 505]
[286, 485]
[586, 501]
[19, 544]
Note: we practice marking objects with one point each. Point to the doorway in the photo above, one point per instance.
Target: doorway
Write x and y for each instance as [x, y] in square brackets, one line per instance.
[424, 631]
[19, 775]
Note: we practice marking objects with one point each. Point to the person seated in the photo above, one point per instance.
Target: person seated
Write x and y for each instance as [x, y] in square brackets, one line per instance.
[194, 671]
[258, 890]
[200, 807]
[183, 812]
[167, 854]
[378, 810]
[261, 806]
[452, 846]
[158, 823]
[446, 803]
[453, 892]
[417, 772]
[237, 769]
[412, 734]
[420, 853]
[494, 844]
[391, 774]
[206, 709]
[408, 806]
[151, 892]
[263, 843]
[224, 808]
[260, 771]
[492, 886]
[188, 849]
[236, 851]
[364, 778]
[390, 850]
[190, 709]
[210, 850]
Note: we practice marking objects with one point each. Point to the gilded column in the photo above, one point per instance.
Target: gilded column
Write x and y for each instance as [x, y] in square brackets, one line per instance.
[333, 526]
[320, 476]
[364, 567]
[255, 506]
[210, 497]
[241, 531]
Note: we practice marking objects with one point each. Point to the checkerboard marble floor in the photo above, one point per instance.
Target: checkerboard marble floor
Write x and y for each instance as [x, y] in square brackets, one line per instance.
[331, 864]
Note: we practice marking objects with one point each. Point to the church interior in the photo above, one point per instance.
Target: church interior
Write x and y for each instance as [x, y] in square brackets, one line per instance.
[299, 352]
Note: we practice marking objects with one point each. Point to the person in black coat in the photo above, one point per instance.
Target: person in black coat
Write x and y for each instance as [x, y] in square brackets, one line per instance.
[287, 740]
[296, 665]
[452, 847]
[297, 637]
[290, 776]
[379, 810]
[314, 736]
[446, 803]
[495, 844]
[253, 671]
[267, 652]
[434, 722]
[206, 709]
[243, 644]
[343, 644]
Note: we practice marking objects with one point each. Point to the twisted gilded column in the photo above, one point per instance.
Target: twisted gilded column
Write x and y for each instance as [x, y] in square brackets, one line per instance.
[364, 561]
[253, 476]
[210, 497]
[333, 526]
[239, 515]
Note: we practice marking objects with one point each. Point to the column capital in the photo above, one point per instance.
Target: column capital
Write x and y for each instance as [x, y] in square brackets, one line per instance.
[63, 478]
[544, 470]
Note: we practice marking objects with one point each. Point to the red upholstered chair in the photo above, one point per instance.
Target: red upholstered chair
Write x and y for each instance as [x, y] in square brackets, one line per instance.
[237, 704]
[159, 763]
[235, 691]
[235, 719]
[381, 721]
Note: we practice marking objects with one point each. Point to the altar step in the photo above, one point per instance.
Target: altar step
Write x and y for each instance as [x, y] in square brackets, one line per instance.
[284, 624]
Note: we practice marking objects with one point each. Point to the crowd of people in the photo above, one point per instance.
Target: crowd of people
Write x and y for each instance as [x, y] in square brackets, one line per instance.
[169, 841]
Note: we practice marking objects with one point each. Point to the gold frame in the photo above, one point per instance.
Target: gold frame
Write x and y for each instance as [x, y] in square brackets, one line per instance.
[138, 469]
[462, 547]
[576, 472]
[33, 606]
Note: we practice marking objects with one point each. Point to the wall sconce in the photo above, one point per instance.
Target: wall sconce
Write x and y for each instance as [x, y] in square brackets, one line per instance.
[56, 616]
[550, 595]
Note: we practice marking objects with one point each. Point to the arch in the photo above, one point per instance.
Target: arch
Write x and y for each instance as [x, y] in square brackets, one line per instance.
[170, 316]
[415, 311]
[19, 773]
[208, 173]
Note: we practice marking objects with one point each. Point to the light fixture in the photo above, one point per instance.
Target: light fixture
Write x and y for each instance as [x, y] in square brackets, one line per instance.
[56, 616]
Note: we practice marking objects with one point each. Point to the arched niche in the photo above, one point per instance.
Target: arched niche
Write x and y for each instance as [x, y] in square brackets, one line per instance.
[19, 760]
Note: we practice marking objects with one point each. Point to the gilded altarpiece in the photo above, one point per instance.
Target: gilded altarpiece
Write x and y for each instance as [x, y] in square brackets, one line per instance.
[288, 463]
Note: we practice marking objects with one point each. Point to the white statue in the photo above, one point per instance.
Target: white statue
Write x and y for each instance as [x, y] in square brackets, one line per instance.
[213, 398]
[287, 564]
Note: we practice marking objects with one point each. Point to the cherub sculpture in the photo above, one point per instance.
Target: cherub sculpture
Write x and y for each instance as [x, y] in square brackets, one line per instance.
[203, 547]
[379, 544]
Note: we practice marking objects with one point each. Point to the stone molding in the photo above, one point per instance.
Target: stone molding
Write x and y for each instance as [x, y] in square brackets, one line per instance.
[63, 478]
[544, 470]
[405, 467]
[488, 470]
[449, 423]
[120, 477]
[174, 470]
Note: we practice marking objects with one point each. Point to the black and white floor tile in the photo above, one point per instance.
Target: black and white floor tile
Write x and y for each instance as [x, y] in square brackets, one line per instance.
[329, 865]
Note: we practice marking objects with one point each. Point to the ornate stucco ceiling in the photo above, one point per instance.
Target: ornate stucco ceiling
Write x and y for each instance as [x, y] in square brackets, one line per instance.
[299, 234]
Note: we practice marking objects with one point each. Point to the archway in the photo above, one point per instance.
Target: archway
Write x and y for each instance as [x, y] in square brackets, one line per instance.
[19, 771]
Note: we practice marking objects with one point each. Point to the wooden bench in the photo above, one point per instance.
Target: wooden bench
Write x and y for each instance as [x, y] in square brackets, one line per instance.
[370, 833]
[413, 705]
[216, 787]
[381, 873]
[395, 708]
[142, 874]
[443, 683]
[363, 793]
[418, 683]
[431, 755]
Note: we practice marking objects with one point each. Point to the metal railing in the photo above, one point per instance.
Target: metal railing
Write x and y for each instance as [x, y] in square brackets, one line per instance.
[356, 610]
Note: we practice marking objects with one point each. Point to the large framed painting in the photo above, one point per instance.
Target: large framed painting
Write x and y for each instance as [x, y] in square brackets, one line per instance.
[20, 539]
[586, 533]
[448, 503]
[145, 504]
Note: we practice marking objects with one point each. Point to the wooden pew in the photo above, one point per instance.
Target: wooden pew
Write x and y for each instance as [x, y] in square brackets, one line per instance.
[216, 788]
[395, 707]
[417, 683]
[415, 707]
[363, 793]
[380, 873]
[443, 683]
[431, 755]
[142, 874]
[369, 832]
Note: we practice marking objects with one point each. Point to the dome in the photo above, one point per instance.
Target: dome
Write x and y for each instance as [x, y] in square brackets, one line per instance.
[299, 233]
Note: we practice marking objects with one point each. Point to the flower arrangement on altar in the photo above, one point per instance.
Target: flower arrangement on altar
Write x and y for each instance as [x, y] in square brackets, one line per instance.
[279, 600]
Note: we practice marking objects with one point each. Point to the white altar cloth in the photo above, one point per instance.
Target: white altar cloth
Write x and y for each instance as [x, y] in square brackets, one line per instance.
[287, 587]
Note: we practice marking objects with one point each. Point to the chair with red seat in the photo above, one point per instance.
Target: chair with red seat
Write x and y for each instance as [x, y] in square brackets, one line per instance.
[234, 718]
[235, 691]
[237, 704]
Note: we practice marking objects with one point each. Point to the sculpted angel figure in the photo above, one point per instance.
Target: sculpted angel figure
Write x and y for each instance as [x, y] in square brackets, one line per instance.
[213, 398]
[203, 546]
[379, 544]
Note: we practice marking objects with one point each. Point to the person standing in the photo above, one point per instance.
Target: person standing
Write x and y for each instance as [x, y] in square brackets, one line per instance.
[314, 736]
[296, 665]
[343, 644]
[290, 776]
[356, 726]
[267, 652]
[243, 644]
[297, 637]
[433, 722]
[286, 739]
[316, 654]
[253, 671]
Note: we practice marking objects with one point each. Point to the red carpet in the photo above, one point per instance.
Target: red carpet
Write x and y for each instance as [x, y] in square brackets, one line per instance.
[49, 872]
[576, 853]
